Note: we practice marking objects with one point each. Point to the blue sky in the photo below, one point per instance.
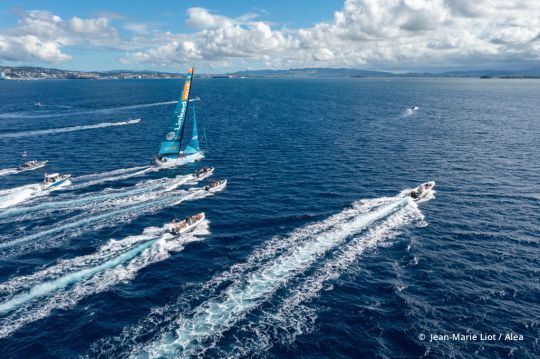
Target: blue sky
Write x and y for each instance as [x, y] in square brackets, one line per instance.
[219, 36]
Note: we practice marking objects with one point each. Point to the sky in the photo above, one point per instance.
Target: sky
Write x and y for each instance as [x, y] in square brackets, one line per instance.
[226, 36]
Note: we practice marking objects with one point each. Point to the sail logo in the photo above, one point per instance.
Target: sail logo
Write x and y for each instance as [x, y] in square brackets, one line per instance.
[170, 136]
[182, 114]
[185, 94]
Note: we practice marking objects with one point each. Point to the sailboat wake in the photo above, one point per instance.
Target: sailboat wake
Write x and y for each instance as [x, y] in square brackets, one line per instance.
[28, 298]
[114, 174]
[297, 265]
[80, 183]
[9, 115]
[67, 129]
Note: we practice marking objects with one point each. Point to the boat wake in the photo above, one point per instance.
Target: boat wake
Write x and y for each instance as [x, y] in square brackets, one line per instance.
[14, 196]
[94, 202]
[17, 195]
[110, 176]
[293, 269]
[8, 171]
[28, 298]
[67, 129]
[93, 220]
[84, 112]
[410, 111]
[295, 314]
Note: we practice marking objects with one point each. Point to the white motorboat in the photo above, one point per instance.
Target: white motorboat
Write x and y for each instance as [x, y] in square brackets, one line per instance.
[32, 165]
[422, 191]
[216, 186]
[190, 222]
[54, 180]
[203, 172]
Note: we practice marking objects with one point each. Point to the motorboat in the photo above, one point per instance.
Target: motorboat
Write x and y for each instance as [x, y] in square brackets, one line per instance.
[203, 172]
[216, 185]
[422, 191]
[32, 165]
[54, 180]
[185, 225]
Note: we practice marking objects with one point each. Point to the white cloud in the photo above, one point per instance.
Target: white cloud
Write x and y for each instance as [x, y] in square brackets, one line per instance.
[376, 33]
[41, 35]
[396, 34]
[139, 28]
[27, 47]
[201, 18]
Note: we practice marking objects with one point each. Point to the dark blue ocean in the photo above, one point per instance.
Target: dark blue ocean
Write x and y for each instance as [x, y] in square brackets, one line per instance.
[309, 252]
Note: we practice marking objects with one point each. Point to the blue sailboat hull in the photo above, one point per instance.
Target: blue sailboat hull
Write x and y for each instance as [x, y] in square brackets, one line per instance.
[178, 160]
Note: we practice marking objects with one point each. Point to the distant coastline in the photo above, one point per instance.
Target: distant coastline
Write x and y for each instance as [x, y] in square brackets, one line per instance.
[41, 73]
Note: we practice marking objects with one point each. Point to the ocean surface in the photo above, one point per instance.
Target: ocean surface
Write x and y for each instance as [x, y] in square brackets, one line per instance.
[310, 251]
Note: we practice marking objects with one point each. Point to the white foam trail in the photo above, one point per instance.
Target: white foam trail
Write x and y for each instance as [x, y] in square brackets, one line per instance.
[409, 112]
[271, 250]
[87, 112]
[13, 196]
[110, 178]
[86, 180]
[217, 315]
[67, 129]
[112, 173]
[16, 198]
[82, 222]
[33, 297]
[294, 316]
[81, 182]
[8, 171]
[149, 189]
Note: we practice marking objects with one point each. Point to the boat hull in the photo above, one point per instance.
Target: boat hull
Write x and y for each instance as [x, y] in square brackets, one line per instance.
[50, 186]
[205, 175]
[217, 188]
[175, 161]
[172, 228]
[427, 187]
[38, 165]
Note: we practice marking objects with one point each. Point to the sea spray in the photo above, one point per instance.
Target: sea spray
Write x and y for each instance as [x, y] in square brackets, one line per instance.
[107, 218]
[34, 297]
[67, 129]
[217, 315]
[8, 171]
[100, 199]
[43, 289]
[293, 315]
[8, 115]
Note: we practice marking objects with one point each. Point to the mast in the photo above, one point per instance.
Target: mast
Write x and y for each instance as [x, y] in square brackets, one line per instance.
[185, 97]
[171, 145]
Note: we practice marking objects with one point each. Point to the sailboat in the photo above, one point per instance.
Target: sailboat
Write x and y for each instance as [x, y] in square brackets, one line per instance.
[170, 154]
